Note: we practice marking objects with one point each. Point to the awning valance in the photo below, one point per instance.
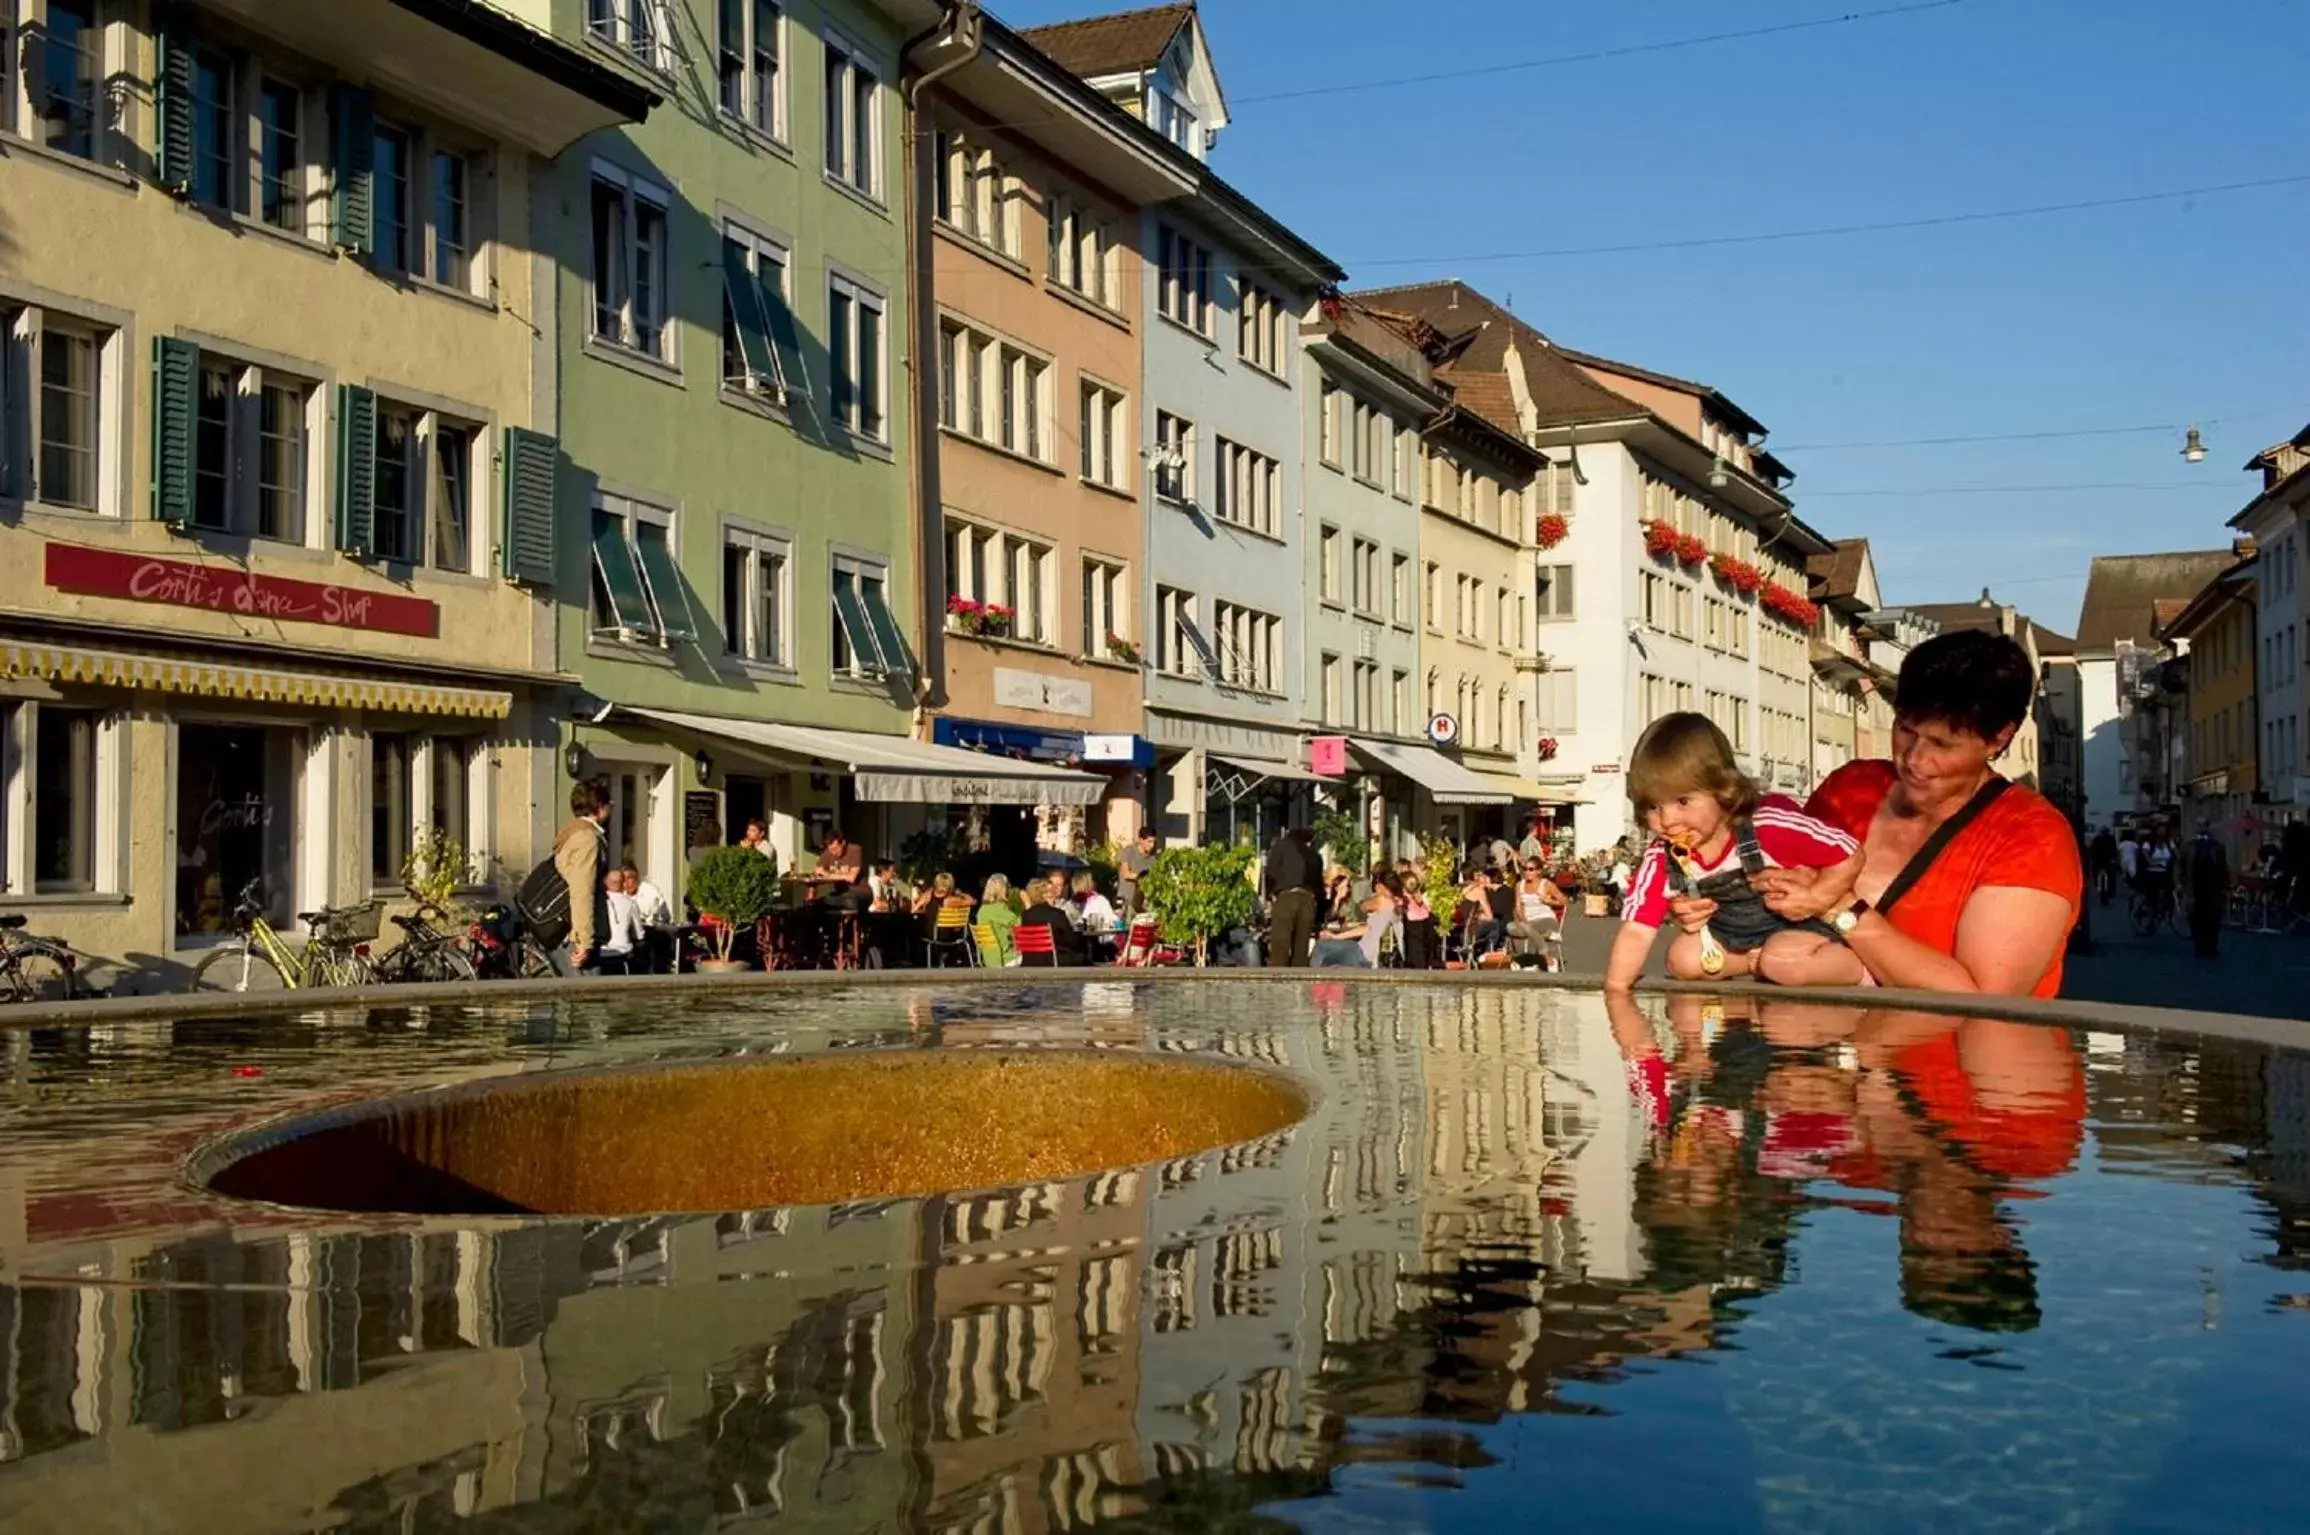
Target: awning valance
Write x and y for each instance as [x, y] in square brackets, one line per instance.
[1445, 780]
[892, 769]
[1537, 791]
[255, 684]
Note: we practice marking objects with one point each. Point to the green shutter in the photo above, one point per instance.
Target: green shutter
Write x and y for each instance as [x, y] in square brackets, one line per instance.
[353, 121]
[667, 594]
[532, 476]
[175, 101]
[851, 611]
[745, 300]
[356, 470]
[176, 373]
[787, 340]
[874, 595]
[621, 578]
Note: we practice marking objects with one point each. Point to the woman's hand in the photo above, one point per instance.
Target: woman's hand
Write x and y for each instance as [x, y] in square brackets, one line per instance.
[1691, 912]
[1791, 893]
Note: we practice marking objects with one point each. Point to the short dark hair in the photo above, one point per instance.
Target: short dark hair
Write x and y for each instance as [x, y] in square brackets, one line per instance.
[1969, 679]
[1146, 834]
[586, 796]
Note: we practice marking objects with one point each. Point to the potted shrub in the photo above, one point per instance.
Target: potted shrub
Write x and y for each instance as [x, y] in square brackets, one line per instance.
[1199, 893]
[1122, 649]
[738, 887]
[438, 866]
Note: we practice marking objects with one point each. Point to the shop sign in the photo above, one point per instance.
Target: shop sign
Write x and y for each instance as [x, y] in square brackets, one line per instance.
[1443, 730]
[1606, 769]
[1327, 756]
[1110, 748]
[1015, 689]
[183, 584]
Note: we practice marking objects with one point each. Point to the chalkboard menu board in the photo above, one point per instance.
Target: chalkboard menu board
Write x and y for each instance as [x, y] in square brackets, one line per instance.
[701, 819]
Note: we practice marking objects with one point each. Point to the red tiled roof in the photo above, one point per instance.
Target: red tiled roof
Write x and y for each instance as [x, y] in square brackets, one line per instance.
[1562, 394]
[1837, 574]
[1110, 45]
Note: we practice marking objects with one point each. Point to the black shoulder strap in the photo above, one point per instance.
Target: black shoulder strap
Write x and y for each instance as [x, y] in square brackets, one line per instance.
[1937, 844]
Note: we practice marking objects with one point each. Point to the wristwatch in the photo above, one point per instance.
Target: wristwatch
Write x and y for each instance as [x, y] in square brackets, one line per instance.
[1848, 919]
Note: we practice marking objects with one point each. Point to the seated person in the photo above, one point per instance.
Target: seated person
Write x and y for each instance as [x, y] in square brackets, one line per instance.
[1042, 911]
[616, 954]
[938, 894]
[1094, 912]
[840, 875]
[882, 892]
[995, 912]
[1537, 926]
[1358, 947]
[653, 922]
[1420, 946]
[1486, 911]
[1712, 833]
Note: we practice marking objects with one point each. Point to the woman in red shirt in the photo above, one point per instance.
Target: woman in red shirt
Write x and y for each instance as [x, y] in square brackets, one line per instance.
[1993, 910]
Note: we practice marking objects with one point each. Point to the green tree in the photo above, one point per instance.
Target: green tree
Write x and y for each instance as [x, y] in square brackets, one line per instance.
[1200, 892]
[1440, 876]
[1342, 835]
[737, 885]
[438, 866]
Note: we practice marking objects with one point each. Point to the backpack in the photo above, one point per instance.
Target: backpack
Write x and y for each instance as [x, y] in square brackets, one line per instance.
[544, 904]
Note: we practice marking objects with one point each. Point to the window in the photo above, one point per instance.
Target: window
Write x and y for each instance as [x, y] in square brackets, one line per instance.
[280, 156]
[1364, 576]
[637, 592]
[1364, 696]
[1331, 689]
[1106, 608]
[1400, 588]
[1328, 563]
[236, 820]
[631, 27]
[1553, 593]
[1656, 606]
[1175, 457]
[1435, 601]
[994, 392]
[973, 193]
[450, 771]
[60, 415]
[1174, 623]
[1184, 283]
[1327, 422]
[1682, 625]
[1559, 700]
[1006, 570]
[390, 808]
[1172, 118]
[1407, 463]
[866, 641]
[389, 231]
[1082, 250]
[1368, 444]
[854, 329]
[756, 596]
[1029, 587]
[423, 473]
[1249, 644]
[1399, 702]
[452, 264]
[1104, 425]
[1554, 490]
[1260, 334]
[853, 122]
[212, 130]
[68, 55]
[629, 264]
[1250, 489]
[63, 798]
[753, 86]
[761, 349]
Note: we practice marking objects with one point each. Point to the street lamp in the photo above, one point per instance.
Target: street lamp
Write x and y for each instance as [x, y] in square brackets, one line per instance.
[2193, 447]
[1718, 479]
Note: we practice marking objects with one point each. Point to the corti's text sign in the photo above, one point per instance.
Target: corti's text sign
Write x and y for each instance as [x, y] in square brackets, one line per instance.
[183, 584]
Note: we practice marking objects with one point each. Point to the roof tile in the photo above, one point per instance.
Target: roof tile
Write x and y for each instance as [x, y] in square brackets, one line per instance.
[1110, 45]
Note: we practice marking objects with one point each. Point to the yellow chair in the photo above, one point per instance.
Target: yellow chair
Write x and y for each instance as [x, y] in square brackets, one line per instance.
[951, 933]
[990, 947]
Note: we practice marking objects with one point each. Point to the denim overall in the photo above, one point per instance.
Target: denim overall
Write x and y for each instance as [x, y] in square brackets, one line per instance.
[1743, 921]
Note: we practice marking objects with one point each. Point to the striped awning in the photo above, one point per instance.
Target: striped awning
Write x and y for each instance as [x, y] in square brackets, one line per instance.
[253, 684]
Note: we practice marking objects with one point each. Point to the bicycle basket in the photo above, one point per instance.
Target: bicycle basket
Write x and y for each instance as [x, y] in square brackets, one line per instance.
[349, 924]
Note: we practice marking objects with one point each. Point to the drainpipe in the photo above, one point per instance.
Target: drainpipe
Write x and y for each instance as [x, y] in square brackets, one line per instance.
[961, 28]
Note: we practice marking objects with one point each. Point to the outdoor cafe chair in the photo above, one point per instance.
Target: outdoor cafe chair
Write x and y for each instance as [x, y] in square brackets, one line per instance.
[950, 934]
[1035, 941]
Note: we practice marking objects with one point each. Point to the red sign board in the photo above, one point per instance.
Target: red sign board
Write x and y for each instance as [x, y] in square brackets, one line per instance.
[1327, 756]
[180, 583]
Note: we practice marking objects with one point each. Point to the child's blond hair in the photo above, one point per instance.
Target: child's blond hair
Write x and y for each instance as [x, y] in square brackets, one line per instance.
[1684, 753]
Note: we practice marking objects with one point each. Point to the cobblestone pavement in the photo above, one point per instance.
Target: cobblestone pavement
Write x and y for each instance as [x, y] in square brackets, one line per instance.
[2256, 974]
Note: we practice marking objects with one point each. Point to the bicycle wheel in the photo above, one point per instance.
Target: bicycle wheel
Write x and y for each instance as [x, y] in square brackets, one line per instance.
[437, 962]
[2144, 916]
[533, 963]
[339, 967]
[41, 972]
[237, 967]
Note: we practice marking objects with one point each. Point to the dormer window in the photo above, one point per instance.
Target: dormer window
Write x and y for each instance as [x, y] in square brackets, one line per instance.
[1171, 117]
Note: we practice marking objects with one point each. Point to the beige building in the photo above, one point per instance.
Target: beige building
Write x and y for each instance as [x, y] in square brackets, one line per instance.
[277, 542]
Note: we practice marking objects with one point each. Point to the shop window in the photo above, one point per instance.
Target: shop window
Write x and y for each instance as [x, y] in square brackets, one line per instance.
[390, 813]
[236, 822]
[64, 800]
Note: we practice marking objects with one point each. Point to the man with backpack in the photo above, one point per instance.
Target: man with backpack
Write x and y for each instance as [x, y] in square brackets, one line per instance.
[580, 849]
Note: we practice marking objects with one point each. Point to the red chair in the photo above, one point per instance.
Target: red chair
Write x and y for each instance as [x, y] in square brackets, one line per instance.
[1032, 941]
[1139, 943]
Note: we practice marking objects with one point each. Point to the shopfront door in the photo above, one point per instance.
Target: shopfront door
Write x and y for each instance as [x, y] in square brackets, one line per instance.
[236, 822]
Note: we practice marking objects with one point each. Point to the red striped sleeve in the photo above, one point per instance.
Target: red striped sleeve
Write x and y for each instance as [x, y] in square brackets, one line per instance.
[1647, 902]
[1791, 839]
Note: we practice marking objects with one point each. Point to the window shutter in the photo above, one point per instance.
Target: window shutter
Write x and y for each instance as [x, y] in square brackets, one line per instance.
[353, 119]
[532, 465]
[176, 371]
[175, 99]
[356, 470]
[745, 298]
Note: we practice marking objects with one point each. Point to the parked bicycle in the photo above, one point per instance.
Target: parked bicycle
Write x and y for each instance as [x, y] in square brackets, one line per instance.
[2154, 906]
[427, 951]
[499, 947]
[35, 969]
[256, 958]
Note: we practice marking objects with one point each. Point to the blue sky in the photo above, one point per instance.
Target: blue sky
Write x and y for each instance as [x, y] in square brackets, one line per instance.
[2161, 314]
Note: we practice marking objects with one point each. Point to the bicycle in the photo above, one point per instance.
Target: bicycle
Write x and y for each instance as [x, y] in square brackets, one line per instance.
[336, 951]
[2154, 905]
[35, 969]
[425, 952]
[499, 947]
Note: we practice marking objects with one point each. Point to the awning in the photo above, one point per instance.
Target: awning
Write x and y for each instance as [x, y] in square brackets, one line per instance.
[256, 684]
[892, 769]
[1269, 767]
[1538, 791]
[1445, 780]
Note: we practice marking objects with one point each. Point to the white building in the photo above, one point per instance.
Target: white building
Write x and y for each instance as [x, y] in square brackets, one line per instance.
[1626, 634]
[2117, 643]
[2278, 520]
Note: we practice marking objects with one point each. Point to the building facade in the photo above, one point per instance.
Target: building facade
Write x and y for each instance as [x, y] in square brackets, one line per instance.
[2278, 520]
[2116, 658]
[2213, 647]
[279, 588]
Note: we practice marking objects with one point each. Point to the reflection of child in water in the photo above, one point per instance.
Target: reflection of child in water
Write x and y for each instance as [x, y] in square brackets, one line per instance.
[1711, 831]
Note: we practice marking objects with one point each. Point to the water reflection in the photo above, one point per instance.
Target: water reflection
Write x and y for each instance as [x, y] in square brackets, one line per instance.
[1513, 1219]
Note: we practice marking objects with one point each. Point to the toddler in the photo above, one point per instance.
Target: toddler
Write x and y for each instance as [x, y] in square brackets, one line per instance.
[1711, 831]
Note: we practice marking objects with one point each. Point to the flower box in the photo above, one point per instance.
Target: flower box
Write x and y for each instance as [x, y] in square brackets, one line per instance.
[990, 620]
[1691, 548]
[1553, 529]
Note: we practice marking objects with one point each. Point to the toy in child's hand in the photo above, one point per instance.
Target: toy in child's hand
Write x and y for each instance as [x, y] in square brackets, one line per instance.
[1681, 845]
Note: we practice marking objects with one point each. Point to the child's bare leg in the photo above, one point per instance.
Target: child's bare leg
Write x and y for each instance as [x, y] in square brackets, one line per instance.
[1684, 961]
[1808, 959]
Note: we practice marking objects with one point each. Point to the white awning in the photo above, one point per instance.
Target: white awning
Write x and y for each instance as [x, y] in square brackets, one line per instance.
[893, 769]
[58, 661]
[1268, 767]
[1445, 780]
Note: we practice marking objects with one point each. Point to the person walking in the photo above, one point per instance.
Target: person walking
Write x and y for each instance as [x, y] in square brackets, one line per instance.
[1131, 865]
[580, 849]
[1294, 880]
[2205, 883]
